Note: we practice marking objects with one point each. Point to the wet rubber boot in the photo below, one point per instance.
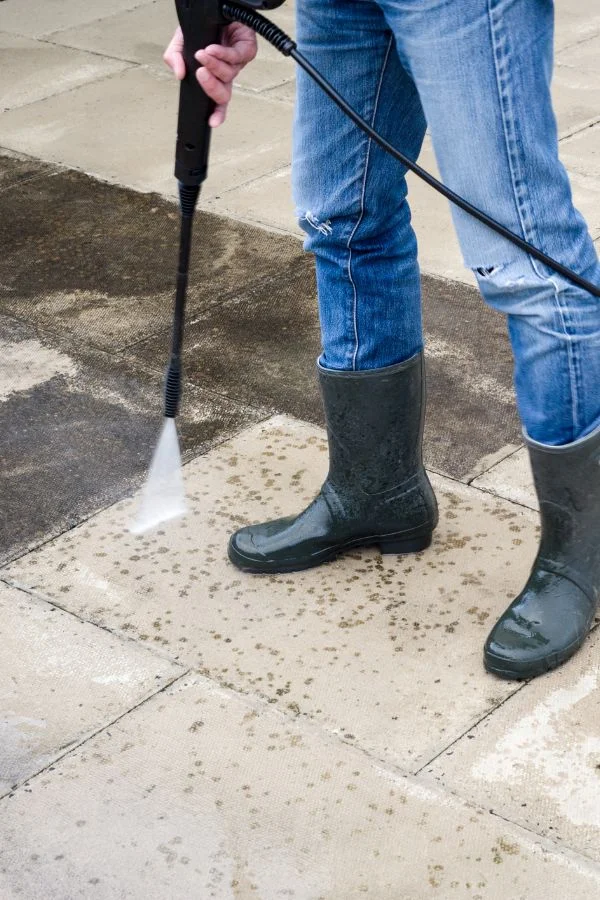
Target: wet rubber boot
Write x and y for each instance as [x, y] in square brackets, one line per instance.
[550, 619]
[376, 492]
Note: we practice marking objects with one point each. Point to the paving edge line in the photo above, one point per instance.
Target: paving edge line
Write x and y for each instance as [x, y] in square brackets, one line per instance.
[71, 748]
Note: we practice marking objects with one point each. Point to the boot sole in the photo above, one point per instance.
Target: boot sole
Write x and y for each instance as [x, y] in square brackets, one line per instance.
[388, 544]
[514, 672]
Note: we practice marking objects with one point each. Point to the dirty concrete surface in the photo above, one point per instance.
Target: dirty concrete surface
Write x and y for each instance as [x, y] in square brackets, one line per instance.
[86, 276]
[169, 726]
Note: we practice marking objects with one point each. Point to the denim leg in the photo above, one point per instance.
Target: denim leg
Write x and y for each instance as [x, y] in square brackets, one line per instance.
[483, 71]
[350, 196]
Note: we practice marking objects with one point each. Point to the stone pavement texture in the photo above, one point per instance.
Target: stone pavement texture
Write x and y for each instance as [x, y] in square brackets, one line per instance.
[169, 726]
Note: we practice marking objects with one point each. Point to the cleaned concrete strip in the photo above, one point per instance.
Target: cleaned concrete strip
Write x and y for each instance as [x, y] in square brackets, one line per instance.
[62, 680]
[136, 144]
[265, 201]
[581, 152]
[576, 99]
[537, 759]
[141, 35]
[385, 652]
[199, 793]
[586, 197]
[25, 364]
[34, 19]
[511, 478]
[32, 70]
[576, 23]
[585, 56]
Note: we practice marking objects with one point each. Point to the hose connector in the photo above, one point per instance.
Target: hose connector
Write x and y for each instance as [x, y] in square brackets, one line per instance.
[173, 388]
[188, 198]
[267, 30]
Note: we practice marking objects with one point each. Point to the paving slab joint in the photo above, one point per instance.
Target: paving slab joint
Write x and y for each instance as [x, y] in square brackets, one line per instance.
[578, 130]
[90, 737]
[126, 67]
[538, 843]
[125, 638]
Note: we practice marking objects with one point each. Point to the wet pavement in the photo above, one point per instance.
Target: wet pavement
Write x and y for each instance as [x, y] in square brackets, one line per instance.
[170, 726]
[86, 278]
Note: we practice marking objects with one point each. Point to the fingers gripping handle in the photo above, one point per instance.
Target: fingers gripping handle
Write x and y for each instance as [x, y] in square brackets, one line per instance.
[201, 22]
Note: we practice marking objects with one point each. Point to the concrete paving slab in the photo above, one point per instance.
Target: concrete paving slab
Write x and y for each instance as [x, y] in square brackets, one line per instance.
[586, 197]
[576, 99]
[63, 680]
[34, 19]
[576, 23]
[265, 201]
[581, 152]
[99, 262]
[138, 34]
[585, 57]
[65, 129]
[199, 793]
[439, 251]
[385, 652]
[284, 92]
[79, 428]
[141, 35]
[538, 757]
[512, 479]
[64, 69]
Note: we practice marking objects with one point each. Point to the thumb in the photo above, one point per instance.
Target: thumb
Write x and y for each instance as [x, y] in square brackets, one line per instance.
[173, 55]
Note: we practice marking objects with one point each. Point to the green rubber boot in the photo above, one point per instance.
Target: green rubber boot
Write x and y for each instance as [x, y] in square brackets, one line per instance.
[550, 619]
[376, 492]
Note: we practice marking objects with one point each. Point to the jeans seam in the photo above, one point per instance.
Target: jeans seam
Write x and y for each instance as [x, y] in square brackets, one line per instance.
[574, 373]
[362, 205]
[520, 199]
[529, 234]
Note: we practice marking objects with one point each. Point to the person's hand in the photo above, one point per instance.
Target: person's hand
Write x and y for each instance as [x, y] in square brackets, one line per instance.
[220, 64]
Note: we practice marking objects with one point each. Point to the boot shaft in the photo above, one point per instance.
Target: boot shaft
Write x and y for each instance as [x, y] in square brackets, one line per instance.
[567, 481]
[375, 425]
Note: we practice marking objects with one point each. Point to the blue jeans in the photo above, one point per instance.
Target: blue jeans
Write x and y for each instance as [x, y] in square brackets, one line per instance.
[477, 74]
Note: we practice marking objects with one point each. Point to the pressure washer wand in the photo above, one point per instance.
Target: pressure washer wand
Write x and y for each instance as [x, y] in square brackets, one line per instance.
[163, 496]
[201, 22]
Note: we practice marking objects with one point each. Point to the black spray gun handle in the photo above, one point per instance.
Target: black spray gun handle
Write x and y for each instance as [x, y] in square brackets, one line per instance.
[201, 23]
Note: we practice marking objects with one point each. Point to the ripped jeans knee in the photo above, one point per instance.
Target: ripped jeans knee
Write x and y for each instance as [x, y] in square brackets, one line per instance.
[309, 221]
[554, 328]
[517, 288]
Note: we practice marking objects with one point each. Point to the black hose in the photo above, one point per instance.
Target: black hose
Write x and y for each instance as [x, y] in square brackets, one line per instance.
[282, 42]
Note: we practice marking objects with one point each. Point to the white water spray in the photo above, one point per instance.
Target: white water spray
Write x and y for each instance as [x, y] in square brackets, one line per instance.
[163, 495]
